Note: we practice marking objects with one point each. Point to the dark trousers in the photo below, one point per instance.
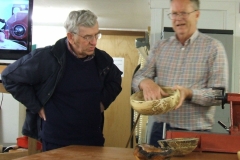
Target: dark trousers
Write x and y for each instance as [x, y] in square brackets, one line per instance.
[102, 123]
[46, 146]
[157, 132]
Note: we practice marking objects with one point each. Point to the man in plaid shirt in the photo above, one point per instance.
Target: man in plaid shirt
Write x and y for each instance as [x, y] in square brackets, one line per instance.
[191, 62]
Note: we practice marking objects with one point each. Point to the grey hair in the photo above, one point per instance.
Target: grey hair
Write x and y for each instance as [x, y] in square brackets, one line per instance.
[195, 4]
[84, 18]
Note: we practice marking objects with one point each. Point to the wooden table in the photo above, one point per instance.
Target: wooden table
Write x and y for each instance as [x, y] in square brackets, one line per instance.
[113, 153]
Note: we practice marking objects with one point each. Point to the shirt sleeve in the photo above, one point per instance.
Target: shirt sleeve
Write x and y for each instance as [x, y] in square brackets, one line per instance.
[218, 77]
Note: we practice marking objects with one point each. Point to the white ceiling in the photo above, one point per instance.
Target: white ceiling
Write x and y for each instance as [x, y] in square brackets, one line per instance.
[112, 14]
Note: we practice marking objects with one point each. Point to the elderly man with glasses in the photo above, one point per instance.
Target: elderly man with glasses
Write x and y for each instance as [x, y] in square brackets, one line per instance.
[189, 61]
[67, 86]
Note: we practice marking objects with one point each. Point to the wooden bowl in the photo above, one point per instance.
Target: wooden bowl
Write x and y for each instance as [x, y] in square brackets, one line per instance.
[154, 107]
[149, 152]
[179, 146]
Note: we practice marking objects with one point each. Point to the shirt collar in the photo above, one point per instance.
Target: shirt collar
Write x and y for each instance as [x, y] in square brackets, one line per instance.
[190, 40]
[88, 58]
[194, 36]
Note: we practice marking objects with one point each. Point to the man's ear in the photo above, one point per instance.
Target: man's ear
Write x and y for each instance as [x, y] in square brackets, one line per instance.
[70, 37]
[197, 14]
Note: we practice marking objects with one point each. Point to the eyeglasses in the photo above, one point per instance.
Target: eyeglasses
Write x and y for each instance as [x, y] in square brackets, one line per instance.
[174, 16]
[89, 38]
